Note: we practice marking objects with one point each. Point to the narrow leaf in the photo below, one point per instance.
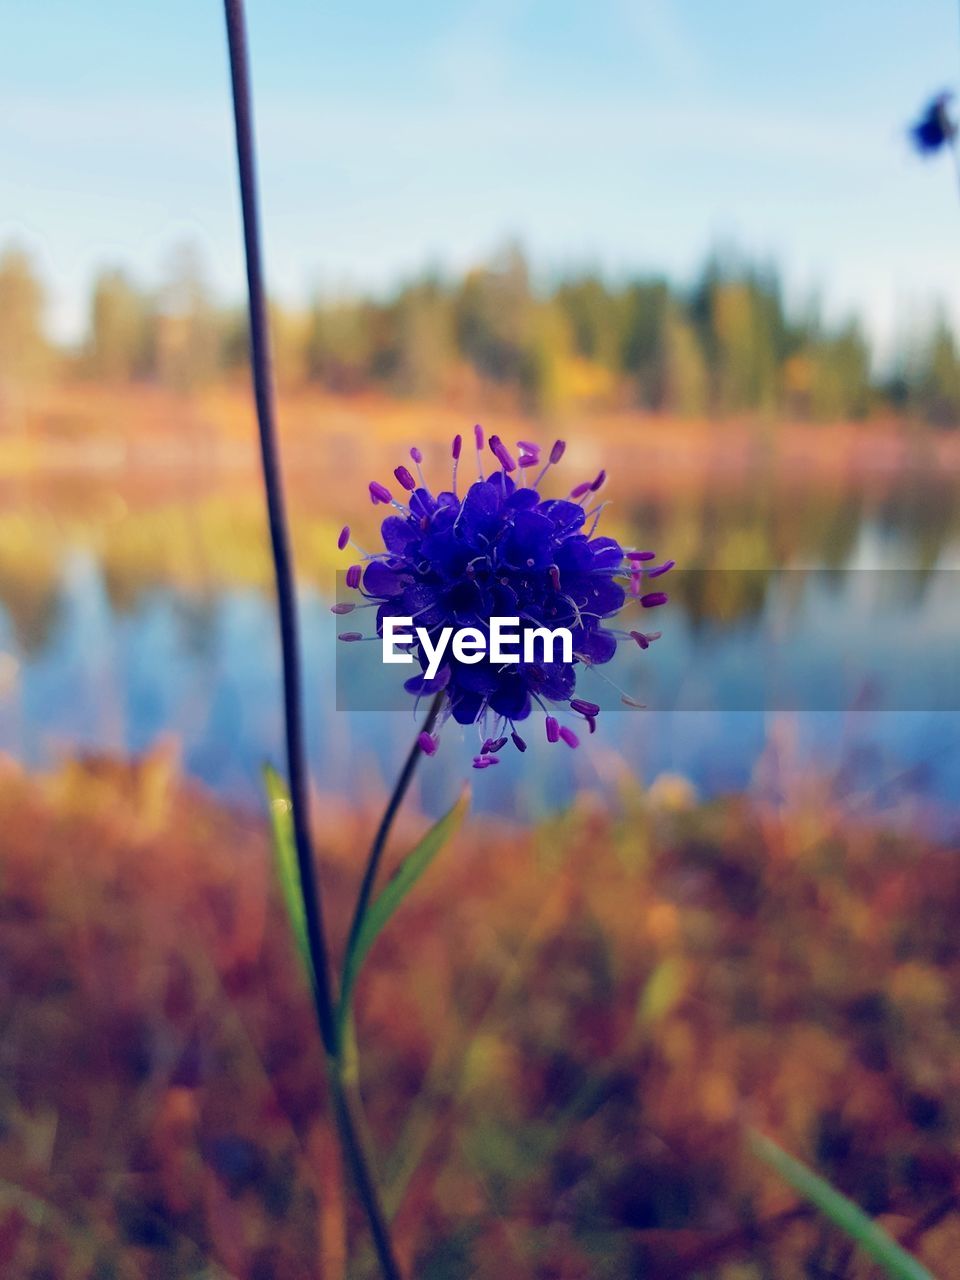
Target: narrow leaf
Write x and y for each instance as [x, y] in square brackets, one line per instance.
[848, 1216]
[285, 854]
[393, 893]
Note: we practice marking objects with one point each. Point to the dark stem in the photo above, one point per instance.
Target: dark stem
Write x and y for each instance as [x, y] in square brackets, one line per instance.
[386, 822]
[276, 509]
[352, 1131]
[357, 1157]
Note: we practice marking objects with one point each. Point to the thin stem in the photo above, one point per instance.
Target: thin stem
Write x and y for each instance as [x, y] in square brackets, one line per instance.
[352, 1135]
[276, 510]
[357, 1157]
[386, 822]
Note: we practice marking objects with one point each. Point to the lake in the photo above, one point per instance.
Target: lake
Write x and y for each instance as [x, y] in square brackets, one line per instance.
[812, 626]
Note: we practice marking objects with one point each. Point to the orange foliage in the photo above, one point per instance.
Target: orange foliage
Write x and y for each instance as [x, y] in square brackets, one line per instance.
[562, 1034]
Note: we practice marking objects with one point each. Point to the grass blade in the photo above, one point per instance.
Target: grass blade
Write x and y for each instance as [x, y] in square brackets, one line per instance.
[285, 857]
[393, 893]
[848, 1216]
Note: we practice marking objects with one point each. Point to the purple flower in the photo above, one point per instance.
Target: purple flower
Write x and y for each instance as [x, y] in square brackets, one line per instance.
[936, 126]
[503, 549]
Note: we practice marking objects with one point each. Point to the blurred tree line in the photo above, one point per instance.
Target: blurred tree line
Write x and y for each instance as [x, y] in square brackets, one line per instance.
[725, 346]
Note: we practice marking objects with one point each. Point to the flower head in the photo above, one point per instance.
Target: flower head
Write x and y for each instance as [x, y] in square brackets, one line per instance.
[936, 127]
[503, 549]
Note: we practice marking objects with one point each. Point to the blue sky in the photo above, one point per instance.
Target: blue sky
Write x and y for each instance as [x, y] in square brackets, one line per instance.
[628, 134]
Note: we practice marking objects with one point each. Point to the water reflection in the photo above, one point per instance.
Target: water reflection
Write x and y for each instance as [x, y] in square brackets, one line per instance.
[160, 623]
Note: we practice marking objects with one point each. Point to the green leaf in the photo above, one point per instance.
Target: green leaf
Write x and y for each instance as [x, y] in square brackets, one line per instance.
[848, 1216]
[393, 893]
[285, 853]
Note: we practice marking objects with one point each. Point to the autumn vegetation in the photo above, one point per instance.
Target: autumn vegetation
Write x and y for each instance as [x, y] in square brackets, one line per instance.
[564, 1034]
[500, 336]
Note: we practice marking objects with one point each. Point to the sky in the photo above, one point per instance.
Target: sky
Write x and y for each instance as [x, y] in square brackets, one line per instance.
[628, 135]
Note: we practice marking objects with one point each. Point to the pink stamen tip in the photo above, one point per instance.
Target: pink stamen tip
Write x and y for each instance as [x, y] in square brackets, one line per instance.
[568, 736]
[457, 446]
[598, 482]
[499, 451]
[584, 708]
[554, 572]
[635, 584]
[661, 569]
[350, 635]
[484, 762]
[353, 576]
[642, 640]
[552, 728]
[344, 537]
[556, 453]
[579, 490]
[345, 607]
[592, 722]
[654, 598]
[518, 742]
[478, 435]
[641, 555]
[428, 744]
[528, 460]
[404, 477]
[379, 493]
[416, 455]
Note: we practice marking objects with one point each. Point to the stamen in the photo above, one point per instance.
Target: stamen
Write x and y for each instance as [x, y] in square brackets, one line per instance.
[353, 576]
[455, 450]
[379, 493]
[601, 477]
[654, 598]
[585, 708]
[351, 636]
[518, 742]
[579, 491]
[553, 728]
[345, 607]
[478, 440]
[502, 455]
[344, 537]
[428, 744]
[568, 736]
[556, 453]
[624, 697]
[596, 512]
[641, 555]
[417, 456]
[660, 569]
[554, 572]
[405, 478]
[484, 762]
[576, 609]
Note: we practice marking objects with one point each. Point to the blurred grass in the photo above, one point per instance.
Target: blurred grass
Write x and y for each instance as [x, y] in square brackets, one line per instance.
[564, 1034]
